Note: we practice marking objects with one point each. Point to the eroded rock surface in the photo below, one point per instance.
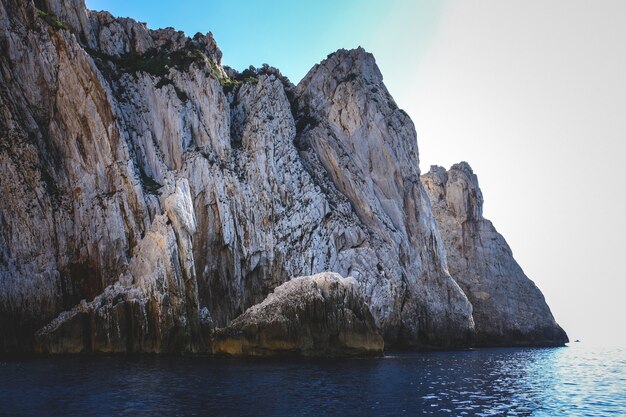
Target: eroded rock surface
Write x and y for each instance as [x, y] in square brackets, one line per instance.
[323, 314]
[509, 309]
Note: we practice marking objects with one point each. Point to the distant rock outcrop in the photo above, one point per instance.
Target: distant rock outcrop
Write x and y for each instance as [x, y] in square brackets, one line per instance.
[323, 314]
[509, 310]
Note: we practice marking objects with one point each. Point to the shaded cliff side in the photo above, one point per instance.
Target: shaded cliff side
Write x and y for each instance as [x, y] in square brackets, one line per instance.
[151, 195]
[509, 310]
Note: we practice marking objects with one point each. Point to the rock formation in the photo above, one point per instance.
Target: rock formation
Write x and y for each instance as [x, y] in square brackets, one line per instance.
[152, 307]
[150, 194]
[509, 310]
[311, 316]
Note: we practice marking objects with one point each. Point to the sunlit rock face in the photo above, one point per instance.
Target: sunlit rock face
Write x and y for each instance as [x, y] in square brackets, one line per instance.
[323, 314]
[357, 144]
[150, 195]
[508, 308]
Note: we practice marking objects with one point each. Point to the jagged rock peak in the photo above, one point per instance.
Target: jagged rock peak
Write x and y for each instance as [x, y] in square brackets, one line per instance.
[350, 63]
[354, 66]
[462, 166]
[459, 187]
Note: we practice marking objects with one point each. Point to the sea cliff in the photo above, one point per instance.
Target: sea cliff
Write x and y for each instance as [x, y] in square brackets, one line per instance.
[150, 196]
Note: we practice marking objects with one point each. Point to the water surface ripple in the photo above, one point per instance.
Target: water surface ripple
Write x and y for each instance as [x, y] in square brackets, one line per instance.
[571, 381]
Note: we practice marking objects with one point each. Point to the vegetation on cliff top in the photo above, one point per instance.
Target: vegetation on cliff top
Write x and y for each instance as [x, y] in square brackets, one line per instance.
[52, 20]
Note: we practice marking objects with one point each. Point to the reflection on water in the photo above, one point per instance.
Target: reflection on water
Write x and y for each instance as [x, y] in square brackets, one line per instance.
[515, 382]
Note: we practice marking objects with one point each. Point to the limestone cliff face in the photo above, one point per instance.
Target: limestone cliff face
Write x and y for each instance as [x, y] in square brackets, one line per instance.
[508, 308]
[150, 195]
[357, 143]
[89, 203]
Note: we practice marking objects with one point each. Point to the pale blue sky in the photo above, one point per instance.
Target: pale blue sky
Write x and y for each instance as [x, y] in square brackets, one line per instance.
[531, 93]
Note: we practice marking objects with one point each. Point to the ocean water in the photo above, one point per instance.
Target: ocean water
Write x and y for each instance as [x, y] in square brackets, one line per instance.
[569, 381]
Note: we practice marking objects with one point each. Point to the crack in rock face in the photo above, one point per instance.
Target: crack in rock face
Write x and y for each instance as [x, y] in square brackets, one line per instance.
[151, 197]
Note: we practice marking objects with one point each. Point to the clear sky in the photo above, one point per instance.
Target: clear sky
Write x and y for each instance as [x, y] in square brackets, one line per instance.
[531, 93]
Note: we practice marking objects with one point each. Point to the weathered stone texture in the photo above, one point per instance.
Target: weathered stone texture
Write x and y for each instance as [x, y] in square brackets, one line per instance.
[323, 314]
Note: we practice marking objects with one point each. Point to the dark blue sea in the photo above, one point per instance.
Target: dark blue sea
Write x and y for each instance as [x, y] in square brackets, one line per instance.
[569, 381]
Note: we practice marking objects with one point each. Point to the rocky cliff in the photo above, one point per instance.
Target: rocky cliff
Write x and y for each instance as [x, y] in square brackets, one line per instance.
[509, 310]
[150, 195]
